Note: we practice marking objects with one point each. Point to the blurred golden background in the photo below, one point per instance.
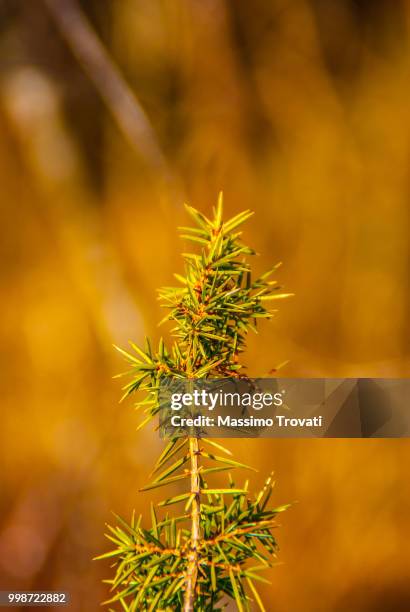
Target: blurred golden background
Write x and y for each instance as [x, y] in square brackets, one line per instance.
[298, 110]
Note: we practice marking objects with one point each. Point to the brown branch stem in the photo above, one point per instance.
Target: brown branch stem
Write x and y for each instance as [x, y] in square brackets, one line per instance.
[193, 556]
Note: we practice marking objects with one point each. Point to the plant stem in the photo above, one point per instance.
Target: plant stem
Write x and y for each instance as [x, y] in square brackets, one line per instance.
[192, 569]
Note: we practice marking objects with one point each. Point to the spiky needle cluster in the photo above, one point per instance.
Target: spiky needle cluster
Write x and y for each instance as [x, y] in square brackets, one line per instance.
[217, 545]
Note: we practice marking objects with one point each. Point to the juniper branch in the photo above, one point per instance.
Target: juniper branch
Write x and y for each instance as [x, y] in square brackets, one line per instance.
[172, 566]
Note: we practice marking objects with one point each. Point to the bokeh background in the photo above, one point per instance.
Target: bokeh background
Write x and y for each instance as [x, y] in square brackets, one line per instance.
[112, 113]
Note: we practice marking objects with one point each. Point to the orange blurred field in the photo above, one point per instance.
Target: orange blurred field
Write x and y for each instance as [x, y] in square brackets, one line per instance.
[298, 110]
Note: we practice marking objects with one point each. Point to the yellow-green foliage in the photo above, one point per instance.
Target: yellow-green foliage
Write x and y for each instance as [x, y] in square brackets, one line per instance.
[215, 305]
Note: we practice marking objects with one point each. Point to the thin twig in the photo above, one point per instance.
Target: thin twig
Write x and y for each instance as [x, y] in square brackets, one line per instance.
[119, 98]
[192, 569]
